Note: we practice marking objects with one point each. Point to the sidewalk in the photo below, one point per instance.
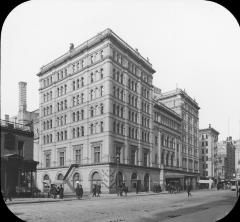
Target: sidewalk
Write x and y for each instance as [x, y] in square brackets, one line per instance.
[71, 198]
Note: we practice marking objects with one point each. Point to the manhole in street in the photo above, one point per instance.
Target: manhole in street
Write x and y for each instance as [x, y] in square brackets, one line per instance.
[175, 205]
[172, 216]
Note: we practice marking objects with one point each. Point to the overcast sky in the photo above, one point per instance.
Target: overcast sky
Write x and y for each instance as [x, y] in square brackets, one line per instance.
[192, 44]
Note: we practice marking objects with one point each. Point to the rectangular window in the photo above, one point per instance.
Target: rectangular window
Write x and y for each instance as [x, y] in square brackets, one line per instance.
[78, 156]
[145, 158]
[47, 160]
[132, 156]
[20, 148]
[61, 158]
[97, 154]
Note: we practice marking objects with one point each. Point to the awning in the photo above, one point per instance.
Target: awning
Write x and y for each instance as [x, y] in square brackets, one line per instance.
[174, 175]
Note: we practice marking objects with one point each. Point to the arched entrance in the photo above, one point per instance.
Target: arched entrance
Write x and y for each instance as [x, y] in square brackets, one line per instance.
[95, 179]
[76, 178]
[119, 178]
[134, 181]
[146, 182]
[46, 183]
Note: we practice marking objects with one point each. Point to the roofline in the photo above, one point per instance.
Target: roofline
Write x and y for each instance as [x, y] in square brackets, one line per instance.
[172, 112]
[177, 92]
[106, 34]
[209, 129]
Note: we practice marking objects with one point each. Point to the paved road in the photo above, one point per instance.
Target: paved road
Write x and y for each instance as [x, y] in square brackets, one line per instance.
[204, 206]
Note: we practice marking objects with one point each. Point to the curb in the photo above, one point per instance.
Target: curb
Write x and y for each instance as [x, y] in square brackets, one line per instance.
[86, 198]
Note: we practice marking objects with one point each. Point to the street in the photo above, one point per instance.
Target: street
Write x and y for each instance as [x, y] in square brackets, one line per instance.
[204, 205]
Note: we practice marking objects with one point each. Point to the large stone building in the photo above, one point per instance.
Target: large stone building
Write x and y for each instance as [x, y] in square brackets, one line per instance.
[96, 109]
[208, 139]
[237, 157]
[226, 159]
[99, 122]
[179, 101]
[168, 145]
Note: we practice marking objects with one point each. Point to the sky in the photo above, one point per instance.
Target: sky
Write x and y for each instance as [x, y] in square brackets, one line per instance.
[192, 44]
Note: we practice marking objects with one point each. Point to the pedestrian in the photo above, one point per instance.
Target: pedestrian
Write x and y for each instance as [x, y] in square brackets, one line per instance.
[136, 188]
[121, 189]
[61, 192]
[58, 191]
[94, 190]
[189, 190]
[54, 192]
[78, 192]
[125, 189]
[81, 191]
[98, 190]
[8, 194]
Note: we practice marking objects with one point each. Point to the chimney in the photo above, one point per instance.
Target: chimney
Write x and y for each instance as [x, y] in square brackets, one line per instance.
[22, 96]
[71, 47]
[209, 125]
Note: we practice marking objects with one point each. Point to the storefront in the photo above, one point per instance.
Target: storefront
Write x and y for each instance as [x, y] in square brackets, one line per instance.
[17, 175]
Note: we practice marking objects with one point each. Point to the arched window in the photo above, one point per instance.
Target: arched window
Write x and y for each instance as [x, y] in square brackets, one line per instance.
[46, 177]
[76, 178]
[134, 176]
[60, 176]
[96, 179]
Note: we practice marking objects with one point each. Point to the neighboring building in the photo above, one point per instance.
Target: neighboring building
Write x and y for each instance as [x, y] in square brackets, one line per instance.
[226, 159]
[179, 101]
[237, 157]
[168, 145]
[95, 109]
[17, 164]
[208, 139]
[17, 136]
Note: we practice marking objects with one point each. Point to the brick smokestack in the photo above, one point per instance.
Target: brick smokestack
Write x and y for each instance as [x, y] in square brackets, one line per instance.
[22, 96]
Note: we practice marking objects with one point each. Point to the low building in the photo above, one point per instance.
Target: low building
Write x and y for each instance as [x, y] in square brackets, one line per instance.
[17, 164]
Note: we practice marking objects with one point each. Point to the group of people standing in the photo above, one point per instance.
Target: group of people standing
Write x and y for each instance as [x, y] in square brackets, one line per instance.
[122, 188]
[79, 191]
[173, 188]
[96, 190]
[54, 191]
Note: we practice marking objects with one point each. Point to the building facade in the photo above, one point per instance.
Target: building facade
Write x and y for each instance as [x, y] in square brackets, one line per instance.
[237, 157]
[102, 121]
[179, 101]
[17, 165]
[168, 145]
[95, 117]
[208, 139]
[226, 159]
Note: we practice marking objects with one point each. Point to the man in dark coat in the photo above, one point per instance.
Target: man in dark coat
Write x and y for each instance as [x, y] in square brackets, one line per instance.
[81, 191]
[98, 190]
[61, 192]
[189, 190]
[94, 190]
[78, 192]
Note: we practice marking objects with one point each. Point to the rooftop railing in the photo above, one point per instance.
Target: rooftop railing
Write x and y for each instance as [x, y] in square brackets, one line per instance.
[13, 125]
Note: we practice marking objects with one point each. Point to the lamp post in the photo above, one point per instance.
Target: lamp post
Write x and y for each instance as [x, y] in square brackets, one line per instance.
[117, 157]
